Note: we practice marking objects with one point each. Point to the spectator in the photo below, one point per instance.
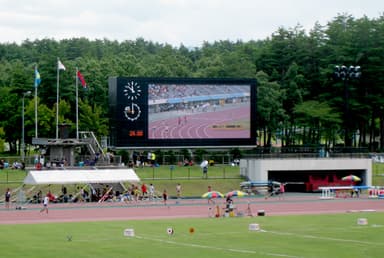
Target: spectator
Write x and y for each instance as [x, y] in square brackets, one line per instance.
[135, 157]
[165, 196]
[136, 193]
[282, 191]
[205, 172]
[7, 198]
[110, 157]
[178, 191]
[142, 159]
[51, 197]
[17, 165]
[153, 159]
[127, 196]
[37, 197]
[64, 193]
[97, 156]
[94, 195]
[82, 195]
[151, 191]
[144, 191]
[149, 157]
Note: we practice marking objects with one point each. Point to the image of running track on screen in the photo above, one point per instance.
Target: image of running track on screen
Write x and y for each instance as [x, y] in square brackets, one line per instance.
[199, 111]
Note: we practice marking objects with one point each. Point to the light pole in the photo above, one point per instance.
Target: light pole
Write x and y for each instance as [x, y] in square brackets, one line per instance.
[22, 149]
[345, 74]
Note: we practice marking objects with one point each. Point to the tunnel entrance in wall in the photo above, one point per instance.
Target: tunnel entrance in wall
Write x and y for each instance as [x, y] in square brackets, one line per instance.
[310, 180]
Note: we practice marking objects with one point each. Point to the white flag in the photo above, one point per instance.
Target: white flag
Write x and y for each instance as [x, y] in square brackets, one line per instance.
[60, 65]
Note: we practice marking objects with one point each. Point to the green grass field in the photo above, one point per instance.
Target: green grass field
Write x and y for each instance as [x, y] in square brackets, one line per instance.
[336, 235]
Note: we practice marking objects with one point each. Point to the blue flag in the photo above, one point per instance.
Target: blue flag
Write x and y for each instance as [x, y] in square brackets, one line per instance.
[37, 78]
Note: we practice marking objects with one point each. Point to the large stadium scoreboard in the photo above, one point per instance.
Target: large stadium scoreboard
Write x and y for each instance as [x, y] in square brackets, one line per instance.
[187, 112]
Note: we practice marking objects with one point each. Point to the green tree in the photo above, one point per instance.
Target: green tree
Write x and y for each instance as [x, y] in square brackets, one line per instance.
[270, 111]
[319, 122]
[91, 119]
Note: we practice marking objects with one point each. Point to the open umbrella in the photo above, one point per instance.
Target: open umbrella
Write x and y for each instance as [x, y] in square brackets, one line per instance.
[235, 193]
[212, 194]
[351, 178]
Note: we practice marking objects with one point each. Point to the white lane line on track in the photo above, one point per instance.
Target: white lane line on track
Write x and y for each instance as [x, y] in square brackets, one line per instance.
[216, 248]
[324, 238]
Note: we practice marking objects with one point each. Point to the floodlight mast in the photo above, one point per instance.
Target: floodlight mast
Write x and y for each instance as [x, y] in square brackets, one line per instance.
[346, 74]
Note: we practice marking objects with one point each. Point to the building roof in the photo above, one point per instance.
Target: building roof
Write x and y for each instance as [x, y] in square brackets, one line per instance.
[76, 176]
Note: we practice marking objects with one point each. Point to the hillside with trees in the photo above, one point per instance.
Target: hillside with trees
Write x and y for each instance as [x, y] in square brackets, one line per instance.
[300, 101]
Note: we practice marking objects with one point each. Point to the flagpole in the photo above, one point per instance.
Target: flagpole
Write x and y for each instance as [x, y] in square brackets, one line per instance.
[77, 104]
[57, 99]
[35, 104]
[35, 112]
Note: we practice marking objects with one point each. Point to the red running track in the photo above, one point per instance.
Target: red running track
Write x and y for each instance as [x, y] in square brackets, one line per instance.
[183, 209]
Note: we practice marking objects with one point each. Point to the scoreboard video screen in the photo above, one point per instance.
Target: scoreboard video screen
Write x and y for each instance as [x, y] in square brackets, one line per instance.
[188, 112]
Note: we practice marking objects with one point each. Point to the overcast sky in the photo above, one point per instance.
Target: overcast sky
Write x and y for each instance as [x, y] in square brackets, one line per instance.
[187, 22]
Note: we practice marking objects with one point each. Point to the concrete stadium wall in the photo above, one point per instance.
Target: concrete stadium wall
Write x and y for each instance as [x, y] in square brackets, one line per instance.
[258, 169]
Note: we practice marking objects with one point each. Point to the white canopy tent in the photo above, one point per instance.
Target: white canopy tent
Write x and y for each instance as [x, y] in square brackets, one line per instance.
[46, 177]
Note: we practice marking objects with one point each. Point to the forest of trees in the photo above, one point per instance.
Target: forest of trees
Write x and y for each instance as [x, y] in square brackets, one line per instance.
[299, 99]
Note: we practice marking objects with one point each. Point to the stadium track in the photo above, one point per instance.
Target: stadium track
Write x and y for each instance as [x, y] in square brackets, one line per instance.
[185, 208]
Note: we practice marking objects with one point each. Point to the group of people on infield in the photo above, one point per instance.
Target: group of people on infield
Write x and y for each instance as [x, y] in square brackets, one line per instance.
[134, 193]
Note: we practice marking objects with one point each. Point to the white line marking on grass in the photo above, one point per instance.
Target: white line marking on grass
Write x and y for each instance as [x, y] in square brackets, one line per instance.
[221, 233]
[215, 248]
[94, 240]
[325, 238]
